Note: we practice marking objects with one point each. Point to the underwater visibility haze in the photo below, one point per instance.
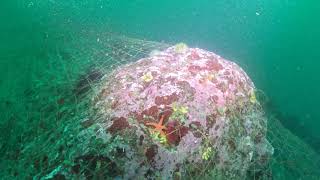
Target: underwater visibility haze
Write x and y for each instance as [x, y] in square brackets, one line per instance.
[171, 89]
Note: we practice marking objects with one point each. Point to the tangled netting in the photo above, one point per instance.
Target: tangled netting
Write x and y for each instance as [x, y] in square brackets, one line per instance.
[179, 112]
[112, 107]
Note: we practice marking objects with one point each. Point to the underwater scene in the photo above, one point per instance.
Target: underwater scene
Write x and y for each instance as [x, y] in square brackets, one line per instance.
[171, 89]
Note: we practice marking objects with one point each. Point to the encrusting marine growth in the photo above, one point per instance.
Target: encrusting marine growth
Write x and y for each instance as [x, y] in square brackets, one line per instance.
[181, 110]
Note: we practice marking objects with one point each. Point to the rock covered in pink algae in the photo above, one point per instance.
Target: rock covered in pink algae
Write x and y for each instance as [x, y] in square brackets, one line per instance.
[181, 112]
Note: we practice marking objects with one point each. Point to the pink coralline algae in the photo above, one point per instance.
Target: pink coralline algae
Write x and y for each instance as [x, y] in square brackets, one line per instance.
[182, 109]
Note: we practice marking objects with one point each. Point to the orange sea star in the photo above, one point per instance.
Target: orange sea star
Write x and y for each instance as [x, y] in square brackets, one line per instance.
[158, 126]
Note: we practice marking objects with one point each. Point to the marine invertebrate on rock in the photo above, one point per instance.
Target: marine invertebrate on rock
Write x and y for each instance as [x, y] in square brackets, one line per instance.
[159, 127]
[179, 113]
[207, 153]
[189, 105]
[180, 48]
[253, 98]
[147, 77]
[159, 137]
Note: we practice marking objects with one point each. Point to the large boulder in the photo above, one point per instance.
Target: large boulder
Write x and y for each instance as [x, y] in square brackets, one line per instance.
[181, 112]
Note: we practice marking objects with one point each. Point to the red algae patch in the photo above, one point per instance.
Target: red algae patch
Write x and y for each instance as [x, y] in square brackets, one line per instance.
[118, 125]
[175, 131]
[166, 100]
[151, 152]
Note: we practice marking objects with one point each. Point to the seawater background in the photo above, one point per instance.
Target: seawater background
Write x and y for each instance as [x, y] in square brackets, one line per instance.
[276, 41]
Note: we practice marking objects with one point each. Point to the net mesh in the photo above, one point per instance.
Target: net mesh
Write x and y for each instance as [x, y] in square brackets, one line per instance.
[43, 127]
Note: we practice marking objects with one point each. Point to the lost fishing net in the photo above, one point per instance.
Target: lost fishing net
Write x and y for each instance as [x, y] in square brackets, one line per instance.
[109, 106]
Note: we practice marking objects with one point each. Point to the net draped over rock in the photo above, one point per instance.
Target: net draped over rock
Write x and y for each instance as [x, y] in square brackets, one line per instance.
[67, 124]
[182, 112]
